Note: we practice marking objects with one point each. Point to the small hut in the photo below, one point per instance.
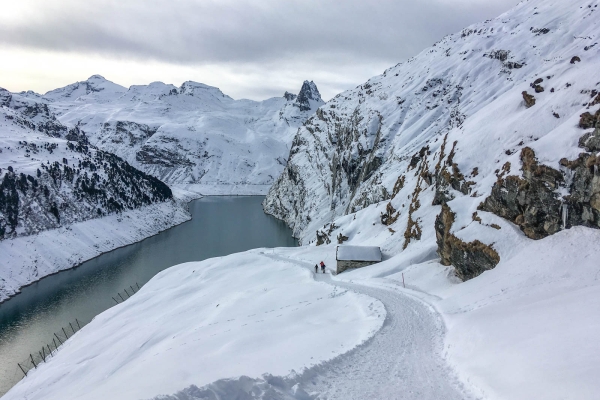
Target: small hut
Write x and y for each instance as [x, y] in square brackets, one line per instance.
[349, 257]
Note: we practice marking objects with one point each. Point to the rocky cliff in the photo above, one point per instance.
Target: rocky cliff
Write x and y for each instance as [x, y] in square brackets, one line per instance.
[490, 129]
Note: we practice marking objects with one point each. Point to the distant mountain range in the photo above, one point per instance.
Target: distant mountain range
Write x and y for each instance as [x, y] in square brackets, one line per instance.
[94, 148]
[192, 134]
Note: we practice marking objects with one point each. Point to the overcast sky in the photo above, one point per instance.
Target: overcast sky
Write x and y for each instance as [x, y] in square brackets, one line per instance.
[249, 48]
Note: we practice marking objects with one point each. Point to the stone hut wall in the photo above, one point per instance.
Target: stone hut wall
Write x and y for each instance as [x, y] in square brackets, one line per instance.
[344, 265]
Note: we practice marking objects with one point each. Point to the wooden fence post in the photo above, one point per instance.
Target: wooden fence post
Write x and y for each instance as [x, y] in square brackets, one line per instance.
[65, 332]
[34, 366]
[122, 299]
[59, 341]
[73, 329]
[76, 320]
[22, 369]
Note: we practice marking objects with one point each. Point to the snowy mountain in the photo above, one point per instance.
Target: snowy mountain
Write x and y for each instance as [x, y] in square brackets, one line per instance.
[478, 153]
[487, 137]
[50, 176]
[192, 134]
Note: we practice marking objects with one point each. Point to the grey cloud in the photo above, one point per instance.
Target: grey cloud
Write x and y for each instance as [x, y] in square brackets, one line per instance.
[225, 31]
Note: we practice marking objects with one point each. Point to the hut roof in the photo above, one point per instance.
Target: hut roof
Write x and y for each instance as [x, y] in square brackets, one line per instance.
[358, 253]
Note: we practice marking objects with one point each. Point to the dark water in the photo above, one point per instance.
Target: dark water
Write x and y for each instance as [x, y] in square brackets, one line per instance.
[220, 226]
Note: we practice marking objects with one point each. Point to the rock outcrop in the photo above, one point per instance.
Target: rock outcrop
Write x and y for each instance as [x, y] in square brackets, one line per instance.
[534, 203]
[530, 202]
[469, 259]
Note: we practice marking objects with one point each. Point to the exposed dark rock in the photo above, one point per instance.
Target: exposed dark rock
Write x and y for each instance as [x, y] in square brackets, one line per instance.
[308, 92]
[289, 96]
[583, 202]
[77, 135]
[591, 141]
[539, 89]
[541, 31]
[398, 185]
[162, 156]
[575, 59]
[529, 99]
[390, 216]
[469, 259]
[588, 120]
[449, 176]
[341, 238]
[530, 202]
[322, 238]
[533, 203]
[5, 97]
[417, 157]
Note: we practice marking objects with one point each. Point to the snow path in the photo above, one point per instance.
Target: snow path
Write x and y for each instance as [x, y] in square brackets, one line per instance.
[401, 361]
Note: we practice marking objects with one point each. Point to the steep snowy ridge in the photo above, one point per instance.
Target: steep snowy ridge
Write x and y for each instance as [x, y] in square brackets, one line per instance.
[190, 135]
[57, 191]
[445, 126]
[48, 181]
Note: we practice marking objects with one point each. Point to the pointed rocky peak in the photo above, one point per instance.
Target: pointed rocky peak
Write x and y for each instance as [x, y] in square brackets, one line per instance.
[308, 97]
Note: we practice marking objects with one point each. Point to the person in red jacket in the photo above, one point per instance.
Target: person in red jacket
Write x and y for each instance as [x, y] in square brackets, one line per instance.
[322, 267]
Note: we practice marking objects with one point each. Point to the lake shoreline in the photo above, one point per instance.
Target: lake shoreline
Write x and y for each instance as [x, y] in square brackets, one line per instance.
[179, 210]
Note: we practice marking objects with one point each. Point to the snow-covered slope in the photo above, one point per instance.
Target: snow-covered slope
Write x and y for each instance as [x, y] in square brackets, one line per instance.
[51, 176]
[58, 192]
[244, 314]
[192, 135]
[455, 126]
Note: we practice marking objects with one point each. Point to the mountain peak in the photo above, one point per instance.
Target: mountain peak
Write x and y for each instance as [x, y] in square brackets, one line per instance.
[308, 93]
[96, 77]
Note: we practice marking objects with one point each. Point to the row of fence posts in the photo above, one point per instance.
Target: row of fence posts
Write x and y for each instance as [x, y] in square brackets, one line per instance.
[127, 293]
[48, 350]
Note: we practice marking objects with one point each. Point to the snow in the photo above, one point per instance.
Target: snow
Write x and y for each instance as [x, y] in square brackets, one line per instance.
[526, 329]
[358, 253]
[244, 314]
[451, 92]
[192, 134]
[26, 259]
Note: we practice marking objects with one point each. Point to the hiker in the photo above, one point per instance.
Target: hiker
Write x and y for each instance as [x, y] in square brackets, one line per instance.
[316, 268]
[322, 267]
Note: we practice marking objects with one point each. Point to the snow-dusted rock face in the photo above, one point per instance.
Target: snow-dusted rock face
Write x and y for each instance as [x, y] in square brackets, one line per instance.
[490, 121]
[193, 134]
[50, 176]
